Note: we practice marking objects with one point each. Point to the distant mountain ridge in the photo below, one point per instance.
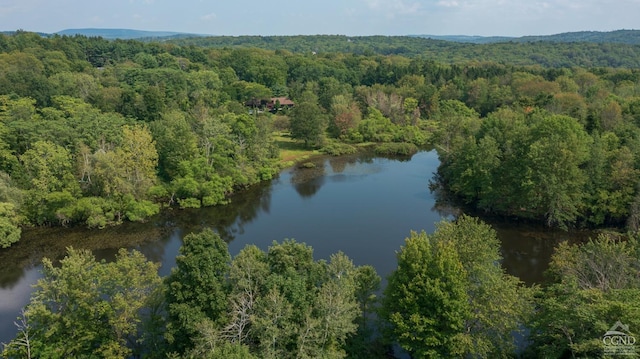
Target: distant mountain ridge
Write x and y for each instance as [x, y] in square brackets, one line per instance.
[630, 37]
[468, 38]
[124, 34]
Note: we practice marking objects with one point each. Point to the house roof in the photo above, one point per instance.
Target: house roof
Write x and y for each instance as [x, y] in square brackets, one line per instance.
[284, 101]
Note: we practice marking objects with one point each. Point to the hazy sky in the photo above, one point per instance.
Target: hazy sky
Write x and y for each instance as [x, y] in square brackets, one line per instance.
[346, 17]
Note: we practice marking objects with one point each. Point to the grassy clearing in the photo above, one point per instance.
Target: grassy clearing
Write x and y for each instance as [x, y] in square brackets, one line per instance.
[292, 151]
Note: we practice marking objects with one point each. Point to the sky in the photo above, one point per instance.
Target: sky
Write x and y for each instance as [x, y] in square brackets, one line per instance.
[343, 17]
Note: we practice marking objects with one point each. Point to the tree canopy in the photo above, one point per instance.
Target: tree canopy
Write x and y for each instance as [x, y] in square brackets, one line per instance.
[131, 127]
[449, 296]
[85, 307]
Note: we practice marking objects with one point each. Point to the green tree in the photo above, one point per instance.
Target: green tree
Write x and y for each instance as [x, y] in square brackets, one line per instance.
[328, 89]
[471, 170]
[250, 93]
[411, 111]
[125, 175]
[52, 186]
[612, 180]
[196, 289]
[273, 325]
[610, 116]
[377, 128]
[24, 74]
[533, 90]
[139, 159]
[205, 86]
[308, 121]
[209, 345]
[454, 121]
[449, 295]
[175, 142]
[569, 104]
[10, 218]
[499, 303]
[71, 121]
[426, 302]
[199, 184]
[528, 165]
[9, 225]
[366, 342]
[85, 308]
[305, 308]
[559, 148]
[247, 276]
[80, 85]
[336, 306]
[280, 304]
[594, 285]
[21, 121]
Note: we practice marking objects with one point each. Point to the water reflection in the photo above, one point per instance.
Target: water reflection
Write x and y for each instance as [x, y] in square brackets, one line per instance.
[338, 164]
[527, 249]
[38, 243]
[229, 220]
[10, 275]
[362, 205]
[308, 188]
[13, 299]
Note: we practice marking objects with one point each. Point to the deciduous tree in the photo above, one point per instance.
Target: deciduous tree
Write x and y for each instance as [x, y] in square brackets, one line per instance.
[85, 308]
[52, 186]
[449, 295]
[196, 289]
[308, 121]
[426, 302]
[594, 285]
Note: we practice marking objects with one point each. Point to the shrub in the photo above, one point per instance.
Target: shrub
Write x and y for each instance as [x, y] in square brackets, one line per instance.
[338, 149]
[281, 123]
[189, 202]
[401, 149]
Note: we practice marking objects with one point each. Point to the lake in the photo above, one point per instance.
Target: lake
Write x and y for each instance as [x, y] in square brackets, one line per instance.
[362, 205]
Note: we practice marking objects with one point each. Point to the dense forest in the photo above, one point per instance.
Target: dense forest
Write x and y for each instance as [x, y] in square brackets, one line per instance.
[631, 37]
[96, 132]
[574, 50]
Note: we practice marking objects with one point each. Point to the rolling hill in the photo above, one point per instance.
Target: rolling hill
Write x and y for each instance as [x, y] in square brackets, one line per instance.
[630, 37]
[125, 34]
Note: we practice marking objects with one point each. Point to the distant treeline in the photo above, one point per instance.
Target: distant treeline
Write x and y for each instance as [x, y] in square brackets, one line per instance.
[556, 51]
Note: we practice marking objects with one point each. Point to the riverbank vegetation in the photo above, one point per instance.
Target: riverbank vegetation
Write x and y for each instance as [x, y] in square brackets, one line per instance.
[448, 297]
[279, 303]
[96, 132]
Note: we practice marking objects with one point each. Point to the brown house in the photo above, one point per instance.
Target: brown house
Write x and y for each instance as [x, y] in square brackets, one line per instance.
[277, 103]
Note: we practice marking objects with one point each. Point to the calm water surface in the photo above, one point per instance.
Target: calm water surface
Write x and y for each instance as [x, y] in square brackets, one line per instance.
[362, 205]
